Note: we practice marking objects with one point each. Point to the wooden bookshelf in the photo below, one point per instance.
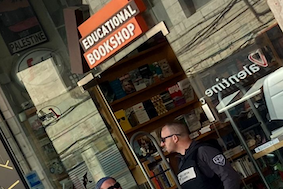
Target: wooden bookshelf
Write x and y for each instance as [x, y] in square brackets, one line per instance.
[165, 116]
[243, 152]
[153, 86]
[255, 176]
[153, 54]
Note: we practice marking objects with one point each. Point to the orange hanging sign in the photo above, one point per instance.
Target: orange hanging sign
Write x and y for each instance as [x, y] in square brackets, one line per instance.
[114, 26]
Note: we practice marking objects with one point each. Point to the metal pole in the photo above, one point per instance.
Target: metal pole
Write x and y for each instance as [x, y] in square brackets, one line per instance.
[262, 123]
[160, 153]
[241, 138]
[258, 117]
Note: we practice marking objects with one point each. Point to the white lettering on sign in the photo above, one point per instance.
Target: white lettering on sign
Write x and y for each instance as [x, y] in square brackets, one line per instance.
[186, 175]
[110, 25]
[111, 44]
[28, 41]
[227, 82]
[236, 78]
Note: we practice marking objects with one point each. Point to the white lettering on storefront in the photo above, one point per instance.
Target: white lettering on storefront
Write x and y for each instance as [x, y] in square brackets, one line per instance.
[109, 45]
[231, 80]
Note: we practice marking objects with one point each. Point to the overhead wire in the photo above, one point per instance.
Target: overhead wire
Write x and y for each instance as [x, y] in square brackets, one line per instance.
[201, 33]
[205, 34]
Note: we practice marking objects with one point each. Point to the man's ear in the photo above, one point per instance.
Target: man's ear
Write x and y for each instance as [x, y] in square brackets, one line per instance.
[175, 138]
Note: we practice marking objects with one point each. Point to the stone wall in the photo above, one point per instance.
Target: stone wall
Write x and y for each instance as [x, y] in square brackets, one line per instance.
[199, 44]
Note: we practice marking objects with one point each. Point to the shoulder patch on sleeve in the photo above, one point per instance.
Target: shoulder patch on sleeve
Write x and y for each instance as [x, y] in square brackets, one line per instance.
[219, 160]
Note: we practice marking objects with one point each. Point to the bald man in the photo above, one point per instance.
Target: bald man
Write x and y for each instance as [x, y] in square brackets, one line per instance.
[107, 183]
[201, 165]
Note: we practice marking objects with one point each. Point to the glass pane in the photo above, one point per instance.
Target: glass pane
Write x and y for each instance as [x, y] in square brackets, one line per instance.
[245, 91]
[71, 130]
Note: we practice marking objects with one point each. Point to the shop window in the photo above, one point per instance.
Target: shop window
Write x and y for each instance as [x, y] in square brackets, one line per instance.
[191, 6]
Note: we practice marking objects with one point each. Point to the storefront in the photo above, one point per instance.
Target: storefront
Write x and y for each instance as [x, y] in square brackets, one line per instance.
[72, 127]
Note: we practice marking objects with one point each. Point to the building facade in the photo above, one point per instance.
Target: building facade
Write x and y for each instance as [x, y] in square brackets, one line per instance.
[55, 128]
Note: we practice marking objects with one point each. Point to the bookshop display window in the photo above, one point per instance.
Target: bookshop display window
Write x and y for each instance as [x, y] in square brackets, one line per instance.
[246, 91]
[149, 90]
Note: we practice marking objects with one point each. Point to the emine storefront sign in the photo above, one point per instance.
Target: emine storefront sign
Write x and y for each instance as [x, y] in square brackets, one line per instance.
[114, 26]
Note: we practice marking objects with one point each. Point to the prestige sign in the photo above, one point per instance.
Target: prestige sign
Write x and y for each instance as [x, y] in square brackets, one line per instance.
[103, 35]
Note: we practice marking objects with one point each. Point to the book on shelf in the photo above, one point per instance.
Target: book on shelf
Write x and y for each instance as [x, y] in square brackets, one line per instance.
[107, 91]
[194, 134]
[141, 113]
[168, 174]
[131, 116]
[167, 100]
[137, 79]
[127, 84]
[187, 89]
[156, 71]
[161, 176]
[249, 165]
[238, 167]
[176, 95]
[155, 134]
[192, 121]
[181, 119]
[158, 104]
[122, 119]
[244, 166]
[146, 74]
[205, 129]
[150, 109]
[230, 140]
[117, 88]
[154, 180]
[165, 67]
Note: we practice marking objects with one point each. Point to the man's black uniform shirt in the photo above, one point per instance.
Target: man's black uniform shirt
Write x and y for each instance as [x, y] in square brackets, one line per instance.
[205, 167]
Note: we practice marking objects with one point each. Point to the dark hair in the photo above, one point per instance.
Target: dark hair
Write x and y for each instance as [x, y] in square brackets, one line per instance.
[177, 128]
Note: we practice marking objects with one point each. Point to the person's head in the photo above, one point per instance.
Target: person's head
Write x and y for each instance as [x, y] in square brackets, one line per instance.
[107, 183]
[175, 137]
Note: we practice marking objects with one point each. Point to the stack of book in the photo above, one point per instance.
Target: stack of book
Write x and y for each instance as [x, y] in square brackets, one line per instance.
[244, 166]
[187, 89]
[176, 94]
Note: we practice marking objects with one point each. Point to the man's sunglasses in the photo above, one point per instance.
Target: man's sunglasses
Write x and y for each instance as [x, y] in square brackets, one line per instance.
[163, 139]
[116, 185]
